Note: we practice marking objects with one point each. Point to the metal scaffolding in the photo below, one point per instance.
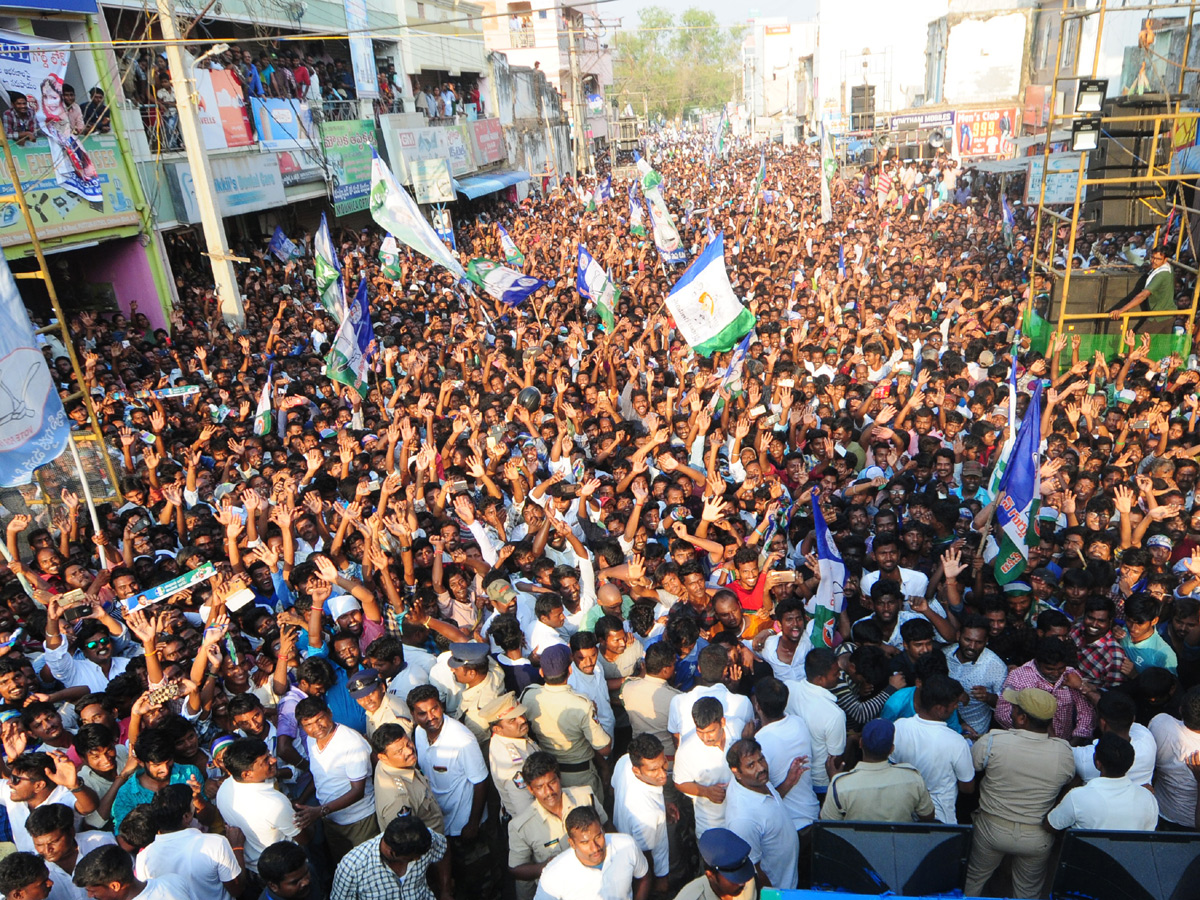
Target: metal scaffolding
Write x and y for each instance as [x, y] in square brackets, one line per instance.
[1156, 175]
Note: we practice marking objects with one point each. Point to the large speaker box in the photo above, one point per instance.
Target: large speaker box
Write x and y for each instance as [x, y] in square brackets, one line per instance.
[877, 857]
[1128, 865]
[1125, 150]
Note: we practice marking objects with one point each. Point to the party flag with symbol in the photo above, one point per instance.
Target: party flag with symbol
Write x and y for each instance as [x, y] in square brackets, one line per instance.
[708, 314]
[328, 273]
[829, 600]
[1021, 495]
[512, 255]
[263, 418]
[505, 285]
[594, 284]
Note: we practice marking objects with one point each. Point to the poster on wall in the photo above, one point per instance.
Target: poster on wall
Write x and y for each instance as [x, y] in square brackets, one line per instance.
[244, 183]
[36, 67]
[362, 50]
[985, 132]
[283, 124]
[348, 147]
[431, 181]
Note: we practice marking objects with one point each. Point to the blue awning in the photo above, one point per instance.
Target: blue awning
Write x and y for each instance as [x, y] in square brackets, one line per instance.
[477, 185]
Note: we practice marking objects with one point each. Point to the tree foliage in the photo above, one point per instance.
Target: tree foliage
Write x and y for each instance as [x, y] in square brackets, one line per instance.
[677, 64]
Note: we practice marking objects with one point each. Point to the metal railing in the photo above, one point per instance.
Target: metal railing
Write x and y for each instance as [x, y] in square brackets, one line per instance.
[162, 128]
[334, 110]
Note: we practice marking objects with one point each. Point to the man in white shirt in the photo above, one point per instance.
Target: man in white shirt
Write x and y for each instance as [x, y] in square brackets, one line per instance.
[52, 827]
[110, 865]
[639, 808]
[754, 811]
[926, 742]
[784, 738]
[701, 769]
[587, 678]
[1111, 802]
[812, 701]
[710, 670]
[35, 779]
[598, 866]
[207, 862]
[340, 763]
[1177, 739]
[249, 800]
[1115, 713]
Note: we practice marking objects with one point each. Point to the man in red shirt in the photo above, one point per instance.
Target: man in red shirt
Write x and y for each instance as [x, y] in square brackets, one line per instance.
[752, 588]
[300, 74]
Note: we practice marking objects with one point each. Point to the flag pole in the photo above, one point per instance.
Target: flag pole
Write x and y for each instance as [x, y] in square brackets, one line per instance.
[87, 494]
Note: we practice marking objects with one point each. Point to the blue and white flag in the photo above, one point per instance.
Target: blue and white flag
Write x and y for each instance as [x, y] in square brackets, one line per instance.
[364, 331]
[282, 247]
[509, 287]
[1007, 219]
[594, 284]
[1021, 487]
[34, 428]
[842, 260]
[830, 599]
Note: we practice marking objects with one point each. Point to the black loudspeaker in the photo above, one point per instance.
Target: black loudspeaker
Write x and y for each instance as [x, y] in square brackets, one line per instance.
[877, 857]
[1128, 865]
[1125, 150]
[1094, 293]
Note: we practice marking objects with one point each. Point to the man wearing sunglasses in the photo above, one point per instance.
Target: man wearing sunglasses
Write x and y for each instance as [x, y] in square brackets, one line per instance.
[34, 779]
[93, 665]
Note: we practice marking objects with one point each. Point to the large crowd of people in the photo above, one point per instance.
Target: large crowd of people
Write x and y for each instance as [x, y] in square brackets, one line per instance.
[534, 617]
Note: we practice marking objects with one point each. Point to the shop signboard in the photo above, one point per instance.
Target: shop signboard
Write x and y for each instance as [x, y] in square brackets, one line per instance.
[985, 132]
[921, 121]
[57, 208]
[246, 183]
[348, 147]
[405, 145]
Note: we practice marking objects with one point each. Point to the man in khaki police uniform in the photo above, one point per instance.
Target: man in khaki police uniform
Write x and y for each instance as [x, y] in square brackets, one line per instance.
[647, 700]
[508, 749]
[1026, 770]
[539, 833]
[564, 723]
[877, 790]
[481, 681]
[728, 871]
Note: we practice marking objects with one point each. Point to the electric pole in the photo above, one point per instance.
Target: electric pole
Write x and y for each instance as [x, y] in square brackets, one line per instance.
[583, 156]
[224, 276]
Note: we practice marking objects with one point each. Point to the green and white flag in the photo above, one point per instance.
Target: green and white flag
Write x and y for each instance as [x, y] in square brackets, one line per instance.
[637, 221]
[593, 283]
[328, 273]
[264, 419]
[347, 362]
[650, 178]
[707, 313]
[396, 212]
[389, 258]
[512, 254]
